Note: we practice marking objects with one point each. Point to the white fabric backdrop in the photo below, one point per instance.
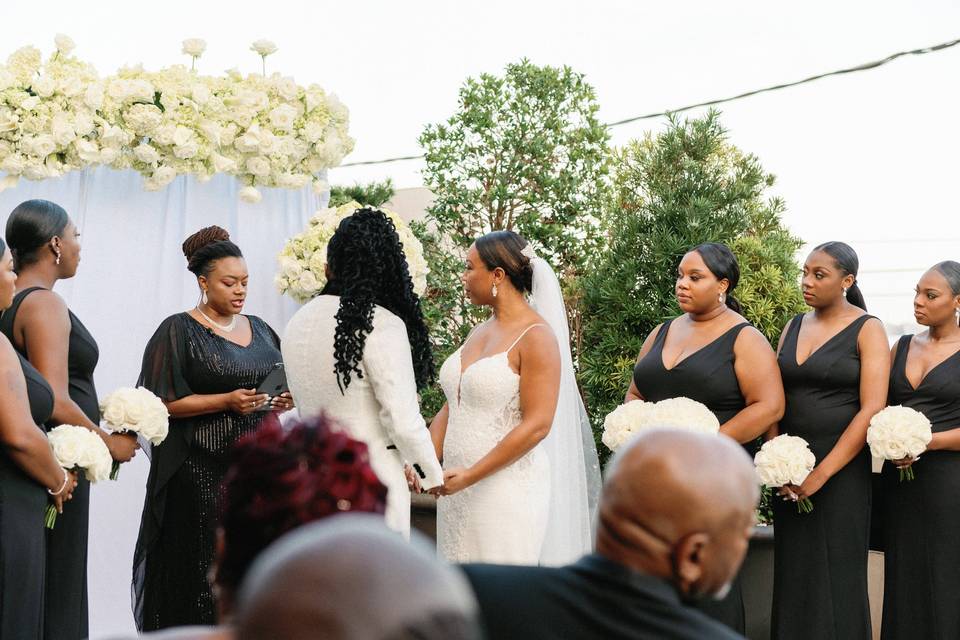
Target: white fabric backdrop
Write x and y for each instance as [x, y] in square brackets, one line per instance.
[132, 275]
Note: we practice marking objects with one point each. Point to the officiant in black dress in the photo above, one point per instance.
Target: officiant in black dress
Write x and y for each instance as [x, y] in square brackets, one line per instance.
[835, 364]
[205, 364]
[921, 517]
[711, 354]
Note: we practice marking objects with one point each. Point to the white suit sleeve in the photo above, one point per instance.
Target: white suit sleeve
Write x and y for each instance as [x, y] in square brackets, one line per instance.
[388, 368]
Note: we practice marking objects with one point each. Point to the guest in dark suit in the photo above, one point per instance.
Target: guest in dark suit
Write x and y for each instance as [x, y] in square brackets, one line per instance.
[666, 536]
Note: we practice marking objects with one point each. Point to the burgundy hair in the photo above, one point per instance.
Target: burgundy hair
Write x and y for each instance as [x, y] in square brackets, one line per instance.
[280, 478]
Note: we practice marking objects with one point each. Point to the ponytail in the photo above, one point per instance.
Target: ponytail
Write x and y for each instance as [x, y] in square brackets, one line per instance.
[855, 297]
[848, 262]
[733, 304]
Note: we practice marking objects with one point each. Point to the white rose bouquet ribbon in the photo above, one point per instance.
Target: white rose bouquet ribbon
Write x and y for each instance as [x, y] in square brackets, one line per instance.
[135, 411]
[899, 432]
[78, 449]
[786, 460]
[674, 413]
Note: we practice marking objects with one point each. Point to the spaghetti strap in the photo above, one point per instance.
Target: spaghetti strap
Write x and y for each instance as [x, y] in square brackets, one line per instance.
[523, 333]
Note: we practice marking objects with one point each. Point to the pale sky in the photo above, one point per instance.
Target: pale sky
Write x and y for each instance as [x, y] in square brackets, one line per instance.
[868, 158]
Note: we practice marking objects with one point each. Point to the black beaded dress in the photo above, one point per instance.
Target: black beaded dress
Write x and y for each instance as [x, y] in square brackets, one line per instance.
[921, 517]
[22, 541]
[65, 607]
[176, 543]
[820, 558]
[707, 376]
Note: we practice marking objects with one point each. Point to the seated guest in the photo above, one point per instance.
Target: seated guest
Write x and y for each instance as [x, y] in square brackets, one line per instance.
[280, 478]
[351, 578]
[675, 519]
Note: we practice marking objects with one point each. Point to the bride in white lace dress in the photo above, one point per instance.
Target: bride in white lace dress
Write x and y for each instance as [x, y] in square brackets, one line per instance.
[521, 476]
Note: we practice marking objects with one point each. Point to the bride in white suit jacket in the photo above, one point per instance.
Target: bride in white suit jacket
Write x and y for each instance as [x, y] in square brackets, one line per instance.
[360, 351]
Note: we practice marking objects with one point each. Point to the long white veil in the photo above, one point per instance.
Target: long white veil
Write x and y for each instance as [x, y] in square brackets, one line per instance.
[574, 467]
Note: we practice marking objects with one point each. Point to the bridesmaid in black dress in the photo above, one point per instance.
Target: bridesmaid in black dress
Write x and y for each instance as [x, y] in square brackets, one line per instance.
[921, 523]
[27, 466]
[46, 248]
[713, 355]
[205, 364]
[835, 364]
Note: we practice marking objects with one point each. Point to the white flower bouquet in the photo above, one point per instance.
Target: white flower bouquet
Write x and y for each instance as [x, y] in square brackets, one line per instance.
[78, 449]
[899, 432]
[303, 258]
[136, 411]
[674, 413]
[786, 460]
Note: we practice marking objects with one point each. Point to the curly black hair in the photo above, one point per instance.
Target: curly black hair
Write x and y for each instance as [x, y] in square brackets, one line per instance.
[368, 268]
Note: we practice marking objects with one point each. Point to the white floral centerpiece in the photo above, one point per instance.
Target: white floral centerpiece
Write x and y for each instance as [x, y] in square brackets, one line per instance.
[78, 449]
[674, 413]
[135, 411]
[786, 460]
[267, 131]
[899, 432]
[303, 258]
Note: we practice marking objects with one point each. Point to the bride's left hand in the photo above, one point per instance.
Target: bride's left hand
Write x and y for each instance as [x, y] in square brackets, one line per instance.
[282, 402]
[454, 480]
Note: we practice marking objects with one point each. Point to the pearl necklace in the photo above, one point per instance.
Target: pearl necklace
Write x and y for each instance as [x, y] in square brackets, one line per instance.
[230, 326]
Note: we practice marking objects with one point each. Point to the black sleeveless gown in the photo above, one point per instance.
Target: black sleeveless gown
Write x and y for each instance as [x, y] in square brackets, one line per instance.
[707, 376]
[177, 530]
[65, 609]
[22, 547]
[921, 523]
[820, 558]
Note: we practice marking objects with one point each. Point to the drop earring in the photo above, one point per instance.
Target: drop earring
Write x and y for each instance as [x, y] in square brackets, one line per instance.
[494, 289]
[844, 292]
[721, 298]
[57, 261]
[203, 298]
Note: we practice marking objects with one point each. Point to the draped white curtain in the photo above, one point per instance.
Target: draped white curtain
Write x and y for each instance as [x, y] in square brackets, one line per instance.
[132, 275]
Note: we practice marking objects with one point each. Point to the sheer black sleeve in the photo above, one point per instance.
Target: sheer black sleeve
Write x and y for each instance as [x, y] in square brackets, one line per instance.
[162, 370]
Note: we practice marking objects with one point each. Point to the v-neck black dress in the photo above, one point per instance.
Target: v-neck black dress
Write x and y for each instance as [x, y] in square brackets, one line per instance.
[707, 376]
[921, 517]
[176, 543]
[820, 558]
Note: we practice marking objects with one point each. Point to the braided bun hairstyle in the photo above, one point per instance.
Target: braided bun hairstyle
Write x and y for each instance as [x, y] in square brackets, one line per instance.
[205, 247]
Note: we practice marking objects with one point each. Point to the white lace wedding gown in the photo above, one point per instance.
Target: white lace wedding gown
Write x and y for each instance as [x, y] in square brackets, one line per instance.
[503, 518]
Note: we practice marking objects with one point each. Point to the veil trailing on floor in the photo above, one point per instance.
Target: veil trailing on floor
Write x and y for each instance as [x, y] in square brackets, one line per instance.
[574, 467]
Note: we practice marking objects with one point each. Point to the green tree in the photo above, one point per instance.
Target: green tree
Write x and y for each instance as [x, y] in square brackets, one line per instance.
[672, 191]
[524, 151]
[373, 194]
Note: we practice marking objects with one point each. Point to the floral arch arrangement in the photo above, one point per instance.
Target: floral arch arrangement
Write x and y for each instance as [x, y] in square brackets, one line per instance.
[60, 115]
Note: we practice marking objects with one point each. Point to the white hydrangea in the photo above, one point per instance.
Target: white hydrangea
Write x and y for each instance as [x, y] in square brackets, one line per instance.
[303, 259]
[673, 413]
[784, 460]
[136, 410]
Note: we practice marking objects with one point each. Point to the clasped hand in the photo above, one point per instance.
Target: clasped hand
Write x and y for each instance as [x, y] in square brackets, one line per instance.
[454, 480]
[813, 483]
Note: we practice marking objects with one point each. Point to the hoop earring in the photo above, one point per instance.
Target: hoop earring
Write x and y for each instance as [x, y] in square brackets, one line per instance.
[494, 289]
[203, 298]
[57, 261]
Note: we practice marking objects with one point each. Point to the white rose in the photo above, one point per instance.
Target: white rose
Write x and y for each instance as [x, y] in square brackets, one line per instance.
[62, 129]
[268, 143]
[8, 121]
[65, 44]
[163, 176]
[250, 194]
[337, 109]
[898, 432]
[164, 133]
[222, 164]
[308, 282]
[318, 260]
[287, 88]
[187, 150]
[71, 86]
[784, 460]
[12, 164]
[108, 155]
[113, 414]
[258, 166]
[44, 86]
[8, 182]
[182, 135]
[282, 117]
[93, 96]
[146, 154]
[36, 171]
[249, 142]
[194, 47]
[263, 47]
[83, 123]
[88, 150]
[30, 103]
[200, 94]
[312, 132]
[40, 146]
[290, 267]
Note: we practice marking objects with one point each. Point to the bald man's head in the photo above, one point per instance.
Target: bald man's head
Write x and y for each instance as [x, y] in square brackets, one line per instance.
[679, 505]
[349, 577]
